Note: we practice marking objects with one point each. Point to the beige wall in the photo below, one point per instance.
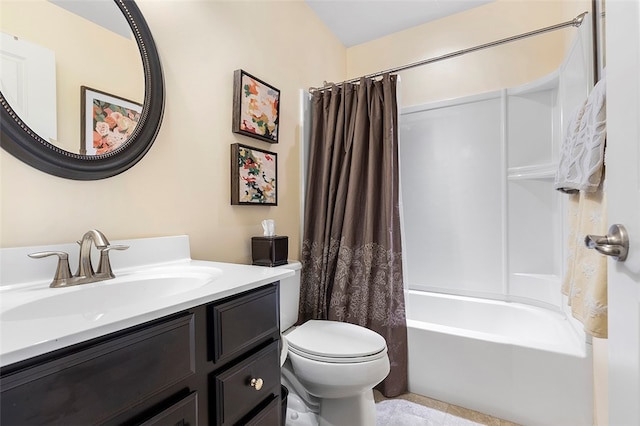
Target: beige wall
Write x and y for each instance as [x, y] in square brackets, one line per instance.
[182, 185]
[507, 65]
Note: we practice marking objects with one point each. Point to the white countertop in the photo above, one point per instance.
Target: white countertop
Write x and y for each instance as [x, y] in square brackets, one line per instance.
[23, 337]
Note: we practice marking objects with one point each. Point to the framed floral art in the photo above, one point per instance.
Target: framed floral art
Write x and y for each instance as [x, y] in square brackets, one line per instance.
[107, 121]
[254, 175]
[256, 107]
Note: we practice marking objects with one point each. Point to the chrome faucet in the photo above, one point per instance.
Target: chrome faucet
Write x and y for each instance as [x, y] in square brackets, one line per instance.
[85, 273]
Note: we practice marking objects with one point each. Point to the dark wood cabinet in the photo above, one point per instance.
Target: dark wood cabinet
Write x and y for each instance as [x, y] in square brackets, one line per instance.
[269, 415]
[182, 413]
[193, 367]
[248, 380]
[241, 323]
[246, 385]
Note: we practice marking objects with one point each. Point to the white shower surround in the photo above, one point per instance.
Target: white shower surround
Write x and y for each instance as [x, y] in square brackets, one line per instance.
[484, 243]
[479, 211]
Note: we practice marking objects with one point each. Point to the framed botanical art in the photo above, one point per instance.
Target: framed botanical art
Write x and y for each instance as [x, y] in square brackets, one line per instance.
[254, 175]
[256, 107]
[107, 121]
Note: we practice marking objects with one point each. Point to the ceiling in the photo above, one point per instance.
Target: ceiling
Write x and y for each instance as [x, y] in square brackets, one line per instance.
[358, 21]
[102, 12]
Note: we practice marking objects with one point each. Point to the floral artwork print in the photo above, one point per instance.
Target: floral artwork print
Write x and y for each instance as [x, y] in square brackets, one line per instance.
[113, 125]
[260, 109]
[257, 172]
[256, 108]
[108, 121]
[255, 179]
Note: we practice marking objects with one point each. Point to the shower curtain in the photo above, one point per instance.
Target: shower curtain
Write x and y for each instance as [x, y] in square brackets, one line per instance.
[351, 252]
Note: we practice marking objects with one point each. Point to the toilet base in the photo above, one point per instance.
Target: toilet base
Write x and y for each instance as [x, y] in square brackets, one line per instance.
[355, 410]
[298, 414]
[359, 410]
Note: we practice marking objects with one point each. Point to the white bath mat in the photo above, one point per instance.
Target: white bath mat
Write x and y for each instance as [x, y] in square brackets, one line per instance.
[400, 412]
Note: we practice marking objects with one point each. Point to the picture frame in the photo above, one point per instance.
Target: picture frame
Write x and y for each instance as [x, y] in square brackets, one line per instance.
[106, 121]
[256, 107]
[254, 176]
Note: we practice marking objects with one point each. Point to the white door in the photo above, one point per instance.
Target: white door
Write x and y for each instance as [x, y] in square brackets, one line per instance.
[623, 192]
[28, 83]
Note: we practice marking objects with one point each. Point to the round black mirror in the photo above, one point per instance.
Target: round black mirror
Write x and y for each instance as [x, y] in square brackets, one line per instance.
[20, 140]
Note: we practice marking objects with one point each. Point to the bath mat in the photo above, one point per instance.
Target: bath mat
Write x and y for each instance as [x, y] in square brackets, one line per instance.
[400, 412]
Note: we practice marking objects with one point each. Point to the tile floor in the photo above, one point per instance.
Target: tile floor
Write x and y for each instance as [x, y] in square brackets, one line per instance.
[455, 415]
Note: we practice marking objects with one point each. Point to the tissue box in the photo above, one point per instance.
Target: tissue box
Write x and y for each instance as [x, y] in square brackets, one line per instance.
[270, 251]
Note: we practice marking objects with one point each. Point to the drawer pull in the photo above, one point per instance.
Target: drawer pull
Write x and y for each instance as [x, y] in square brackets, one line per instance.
[257, 383]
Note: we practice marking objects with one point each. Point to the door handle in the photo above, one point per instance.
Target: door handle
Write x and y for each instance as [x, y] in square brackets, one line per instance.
[614, 244]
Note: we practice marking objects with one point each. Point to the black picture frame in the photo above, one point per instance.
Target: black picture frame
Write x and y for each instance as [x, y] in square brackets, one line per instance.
[23, 143]
[254, 176]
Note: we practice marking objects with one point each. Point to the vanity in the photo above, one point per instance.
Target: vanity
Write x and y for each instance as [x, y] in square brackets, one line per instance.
[207, 355]
[168, 340]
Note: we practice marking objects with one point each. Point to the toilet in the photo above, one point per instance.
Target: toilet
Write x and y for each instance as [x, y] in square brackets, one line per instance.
[329, 367]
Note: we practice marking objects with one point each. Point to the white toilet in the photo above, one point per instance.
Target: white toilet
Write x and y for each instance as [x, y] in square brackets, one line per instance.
[329, 367]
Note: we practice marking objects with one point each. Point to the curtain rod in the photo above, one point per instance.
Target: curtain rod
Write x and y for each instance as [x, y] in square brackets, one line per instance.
[576, 22]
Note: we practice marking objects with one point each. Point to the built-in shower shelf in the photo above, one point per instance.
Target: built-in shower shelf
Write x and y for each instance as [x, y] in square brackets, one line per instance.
[549, 82]
[538, 171]
[544, 277]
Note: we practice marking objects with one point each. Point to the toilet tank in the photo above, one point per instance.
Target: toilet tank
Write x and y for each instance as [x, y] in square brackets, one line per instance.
[289, 296]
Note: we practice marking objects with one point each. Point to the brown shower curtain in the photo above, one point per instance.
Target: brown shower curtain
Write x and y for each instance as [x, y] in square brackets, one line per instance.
[351, 254]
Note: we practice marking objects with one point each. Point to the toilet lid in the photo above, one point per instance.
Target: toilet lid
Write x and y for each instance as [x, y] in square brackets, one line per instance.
[334, 341]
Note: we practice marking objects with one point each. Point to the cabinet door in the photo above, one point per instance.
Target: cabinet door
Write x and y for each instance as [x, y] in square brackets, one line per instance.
[100, 380]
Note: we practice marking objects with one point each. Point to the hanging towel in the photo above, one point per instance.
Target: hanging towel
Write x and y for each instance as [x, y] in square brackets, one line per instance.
[582, 153]
[585, 282]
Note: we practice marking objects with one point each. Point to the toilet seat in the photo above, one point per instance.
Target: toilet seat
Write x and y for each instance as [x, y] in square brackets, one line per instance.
[336, 342]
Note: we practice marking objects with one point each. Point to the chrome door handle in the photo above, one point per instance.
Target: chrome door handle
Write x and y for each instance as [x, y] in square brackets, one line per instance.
[614, 244]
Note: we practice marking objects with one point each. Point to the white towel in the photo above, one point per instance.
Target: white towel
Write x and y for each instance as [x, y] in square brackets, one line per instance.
[582, 153]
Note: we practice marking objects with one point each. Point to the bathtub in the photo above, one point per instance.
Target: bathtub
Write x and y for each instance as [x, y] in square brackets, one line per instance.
[517, 362]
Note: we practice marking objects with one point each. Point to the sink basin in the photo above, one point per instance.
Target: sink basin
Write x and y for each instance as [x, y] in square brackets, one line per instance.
[92, 301]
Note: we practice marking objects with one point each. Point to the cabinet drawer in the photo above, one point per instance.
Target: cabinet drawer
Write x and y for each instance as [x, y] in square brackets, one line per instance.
[268, 416]
[101, 380]
[239, 324]
[182, 413]
[234, 397]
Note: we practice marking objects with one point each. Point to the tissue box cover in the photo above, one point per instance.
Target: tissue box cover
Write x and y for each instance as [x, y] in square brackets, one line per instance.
[270, 251]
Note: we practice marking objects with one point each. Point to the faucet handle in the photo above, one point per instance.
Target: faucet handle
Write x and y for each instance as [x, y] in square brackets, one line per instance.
[63, 272]
[104, 267]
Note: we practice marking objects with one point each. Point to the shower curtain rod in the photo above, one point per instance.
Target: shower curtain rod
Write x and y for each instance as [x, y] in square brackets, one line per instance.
[576, 22]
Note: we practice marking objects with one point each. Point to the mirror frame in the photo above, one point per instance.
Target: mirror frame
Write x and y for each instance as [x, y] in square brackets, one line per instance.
[21, 142]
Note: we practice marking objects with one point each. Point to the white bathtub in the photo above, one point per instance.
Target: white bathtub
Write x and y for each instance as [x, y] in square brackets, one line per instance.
[510, 360]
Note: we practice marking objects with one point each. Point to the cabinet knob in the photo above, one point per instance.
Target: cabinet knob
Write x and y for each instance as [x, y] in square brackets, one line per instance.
[257, 383]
